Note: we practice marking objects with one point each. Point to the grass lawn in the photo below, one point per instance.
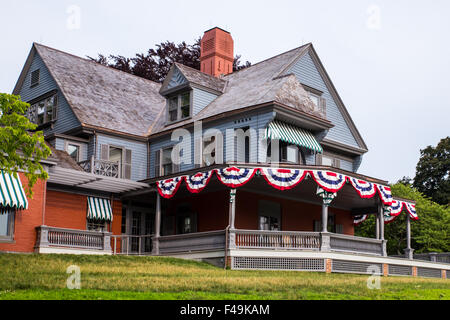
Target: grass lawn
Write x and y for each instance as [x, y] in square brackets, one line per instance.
[118, 277]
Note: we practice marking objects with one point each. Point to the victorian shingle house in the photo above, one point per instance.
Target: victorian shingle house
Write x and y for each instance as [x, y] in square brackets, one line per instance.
[251, 169]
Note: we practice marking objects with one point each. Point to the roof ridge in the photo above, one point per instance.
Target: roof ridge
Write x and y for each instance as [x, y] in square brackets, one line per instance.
[94, 62]
[268, 59]
[199, 71]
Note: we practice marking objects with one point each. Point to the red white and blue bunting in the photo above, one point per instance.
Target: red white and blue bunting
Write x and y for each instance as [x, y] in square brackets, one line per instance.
[329, 181]
[168, 188]
[385, 194]
[198, 182]
[283, 179]
[235, 177]
[365, 189]
[389, 219]
[396, 207]
[411, 208]
[357, 220]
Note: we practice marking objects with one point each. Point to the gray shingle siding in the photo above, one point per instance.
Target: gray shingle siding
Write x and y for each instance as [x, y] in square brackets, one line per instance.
[66, 119]
[307, 73]
[253, 120]
[201, 99]
[138, 156]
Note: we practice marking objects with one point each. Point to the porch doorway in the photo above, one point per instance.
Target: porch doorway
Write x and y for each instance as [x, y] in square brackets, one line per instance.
[139, 227]
[269, 215]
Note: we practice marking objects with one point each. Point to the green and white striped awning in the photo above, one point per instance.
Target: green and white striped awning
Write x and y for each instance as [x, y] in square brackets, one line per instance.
[12, 194]
[99, 209]
[292, 134]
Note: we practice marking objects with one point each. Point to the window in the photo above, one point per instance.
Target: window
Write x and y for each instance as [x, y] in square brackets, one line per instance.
[97, 225]
[328, 160]
[6, 223]
[242, 144]
[269, 215]
[35, 75]
[315, 99]
[289, 153]
[43, 111]
[74, 151]
[179, 107]
[123, 228]
[166, 162]
[186, 220]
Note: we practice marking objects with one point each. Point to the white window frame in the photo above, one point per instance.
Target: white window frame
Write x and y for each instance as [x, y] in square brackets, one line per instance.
[33, 110]
[179, 106]
[80, 149]
[11, 221]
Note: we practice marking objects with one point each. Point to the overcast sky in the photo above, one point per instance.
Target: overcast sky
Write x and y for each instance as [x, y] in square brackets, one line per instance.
[389, 60]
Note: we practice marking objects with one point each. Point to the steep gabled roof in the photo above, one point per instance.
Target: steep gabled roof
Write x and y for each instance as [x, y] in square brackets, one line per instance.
[255, 85]
[103, 97]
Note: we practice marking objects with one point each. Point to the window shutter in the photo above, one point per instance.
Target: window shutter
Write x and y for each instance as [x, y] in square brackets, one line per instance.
[323, 105]
[318, 159]
[104, 152]
[35, 75]
[219, 149]
[127, 164]
[198, 152]
[55, 108]
[157, 163]
[176, 159]
[337, 163]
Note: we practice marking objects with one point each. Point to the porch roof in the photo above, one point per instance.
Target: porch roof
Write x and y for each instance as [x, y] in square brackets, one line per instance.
[74, 178]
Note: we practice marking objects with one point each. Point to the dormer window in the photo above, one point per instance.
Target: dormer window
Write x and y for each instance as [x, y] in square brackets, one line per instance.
[315, 99]
[44, 110]
[179, 107]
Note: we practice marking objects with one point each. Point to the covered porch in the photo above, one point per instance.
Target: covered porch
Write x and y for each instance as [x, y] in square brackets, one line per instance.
[211, 213]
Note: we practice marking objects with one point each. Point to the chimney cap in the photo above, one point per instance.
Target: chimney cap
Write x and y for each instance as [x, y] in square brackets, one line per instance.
[217, 28]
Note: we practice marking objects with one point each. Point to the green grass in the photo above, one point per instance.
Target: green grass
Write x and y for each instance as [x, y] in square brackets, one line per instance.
[118, 277]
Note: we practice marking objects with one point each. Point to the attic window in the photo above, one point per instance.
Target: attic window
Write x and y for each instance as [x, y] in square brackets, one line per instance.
[35, 75]
[44, 111]
[179, 107]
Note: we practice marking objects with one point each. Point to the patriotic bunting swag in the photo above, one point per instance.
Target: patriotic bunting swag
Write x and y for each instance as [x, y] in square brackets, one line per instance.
[396, 207]
[360, 219]
[365, 189]
[234, 177]
[283, 179]
[411, 208]
[168, 188]
[198, 182]
[329, 181]
[385, 194]
[389, 219]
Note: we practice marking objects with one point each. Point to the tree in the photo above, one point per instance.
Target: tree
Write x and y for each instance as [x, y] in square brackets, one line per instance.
[432, 172]
[429, 234]
[20, 148]
[156, 64]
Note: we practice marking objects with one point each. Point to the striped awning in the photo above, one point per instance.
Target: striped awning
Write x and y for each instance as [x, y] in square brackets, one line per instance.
[12, 194]
[292, 134]
[99, 209]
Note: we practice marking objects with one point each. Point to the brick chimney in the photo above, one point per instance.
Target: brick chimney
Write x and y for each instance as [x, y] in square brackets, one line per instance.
[217, 52]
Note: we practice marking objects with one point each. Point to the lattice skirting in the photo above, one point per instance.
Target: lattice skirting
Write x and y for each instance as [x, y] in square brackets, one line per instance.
[397, 270]
[267, 263]
[429, 273]
[356, 267]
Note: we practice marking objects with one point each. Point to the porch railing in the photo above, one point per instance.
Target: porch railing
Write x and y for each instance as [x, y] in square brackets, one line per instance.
[192, 242]
[101, 167]
[132, 245]
[50, 237]
[346, 243]
[274, 240]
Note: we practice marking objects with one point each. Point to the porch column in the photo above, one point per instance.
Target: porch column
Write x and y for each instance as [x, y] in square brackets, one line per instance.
[157, 225]
[381, 226]
[377, 226]
[232, 209]
[324, 217]
[409, 252]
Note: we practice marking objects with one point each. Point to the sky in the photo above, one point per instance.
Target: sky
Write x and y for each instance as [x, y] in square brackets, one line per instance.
[389, 60]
